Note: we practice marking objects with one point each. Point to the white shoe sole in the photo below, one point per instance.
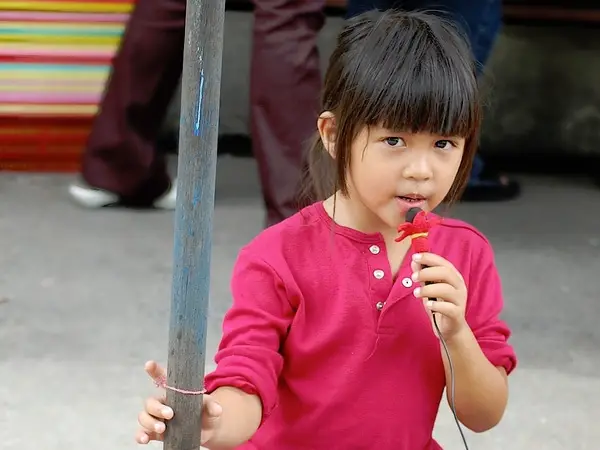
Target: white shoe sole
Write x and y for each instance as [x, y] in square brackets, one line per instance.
[91, 198]
[169, 200]
[94, 199]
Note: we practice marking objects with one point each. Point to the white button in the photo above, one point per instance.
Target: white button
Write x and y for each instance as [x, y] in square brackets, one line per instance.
[374, 249]
[380, 306]
[407, 282]
[379, 274]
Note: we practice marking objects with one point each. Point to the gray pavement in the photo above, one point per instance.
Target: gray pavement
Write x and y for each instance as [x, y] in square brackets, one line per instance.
[84, 298]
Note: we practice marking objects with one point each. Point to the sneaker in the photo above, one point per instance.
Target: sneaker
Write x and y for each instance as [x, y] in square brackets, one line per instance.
[168, 200]
[90, 197]
[93, 198]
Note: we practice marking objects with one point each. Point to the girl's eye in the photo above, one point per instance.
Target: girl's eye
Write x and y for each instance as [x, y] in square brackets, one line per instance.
[445, 144]
[395, 142]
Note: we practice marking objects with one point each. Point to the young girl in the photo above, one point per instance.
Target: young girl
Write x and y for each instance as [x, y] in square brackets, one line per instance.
[329, 343]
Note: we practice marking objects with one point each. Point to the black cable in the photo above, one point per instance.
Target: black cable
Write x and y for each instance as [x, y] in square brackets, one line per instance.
[451, 367]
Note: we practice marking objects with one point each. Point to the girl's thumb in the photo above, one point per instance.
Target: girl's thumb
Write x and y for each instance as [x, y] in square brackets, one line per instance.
[213, 408]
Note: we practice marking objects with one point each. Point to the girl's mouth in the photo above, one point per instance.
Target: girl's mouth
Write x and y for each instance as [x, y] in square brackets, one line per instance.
[405, 202]
[411, 198]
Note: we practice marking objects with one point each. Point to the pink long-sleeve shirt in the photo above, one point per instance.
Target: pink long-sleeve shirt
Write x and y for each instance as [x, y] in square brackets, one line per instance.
[342, 355]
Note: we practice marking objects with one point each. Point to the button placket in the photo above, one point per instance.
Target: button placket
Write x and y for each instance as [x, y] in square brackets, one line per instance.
[401, 290]
[375, 259]
[379, 275]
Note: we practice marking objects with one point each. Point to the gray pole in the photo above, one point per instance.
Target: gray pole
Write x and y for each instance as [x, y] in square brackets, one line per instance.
[201, 85]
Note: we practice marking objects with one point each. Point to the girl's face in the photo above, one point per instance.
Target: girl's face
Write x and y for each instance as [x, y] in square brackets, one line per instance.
[391, 172]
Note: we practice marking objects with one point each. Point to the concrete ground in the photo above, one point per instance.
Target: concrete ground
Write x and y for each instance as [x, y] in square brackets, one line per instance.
[85, 298]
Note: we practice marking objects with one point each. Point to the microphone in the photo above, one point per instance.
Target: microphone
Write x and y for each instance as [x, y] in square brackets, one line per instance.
[412, 213]
[417, 226]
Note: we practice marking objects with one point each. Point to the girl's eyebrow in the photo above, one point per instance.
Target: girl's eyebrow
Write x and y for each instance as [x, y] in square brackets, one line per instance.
[382, 131]
[390, 131]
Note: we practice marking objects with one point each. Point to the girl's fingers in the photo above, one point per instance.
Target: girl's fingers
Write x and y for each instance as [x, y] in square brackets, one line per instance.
[156, 407]
[212, 413]
[212, 407]
[150, 424]
[143, 437]
[155, 410]
[415, 267]
[155, 370]
[442, 291]
[431, 259]
[439, 274]
[446, 309]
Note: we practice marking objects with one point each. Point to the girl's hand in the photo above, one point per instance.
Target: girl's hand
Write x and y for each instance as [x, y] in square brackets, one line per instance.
[152, 419]
[447, 286]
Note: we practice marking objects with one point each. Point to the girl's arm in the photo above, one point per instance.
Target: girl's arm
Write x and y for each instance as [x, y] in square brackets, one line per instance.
[239, 420]
[249, 361]
[481, 355]
[481, 389]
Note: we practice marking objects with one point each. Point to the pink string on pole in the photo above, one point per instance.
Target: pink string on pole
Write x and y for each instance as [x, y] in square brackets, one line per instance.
[161, 382]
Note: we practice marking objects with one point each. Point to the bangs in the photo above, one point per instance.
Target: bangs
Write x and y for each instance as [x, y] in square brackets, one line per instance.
[425, 81]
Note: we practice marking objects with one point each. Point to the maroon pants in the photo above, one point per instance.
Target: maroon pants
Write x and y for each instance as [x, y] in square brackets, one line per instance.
[121, 155]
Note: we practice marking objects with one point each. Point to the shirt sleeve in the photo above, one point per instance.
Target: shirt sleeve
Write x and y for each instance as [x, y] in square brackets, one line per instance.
[484, 305]
[254, 328]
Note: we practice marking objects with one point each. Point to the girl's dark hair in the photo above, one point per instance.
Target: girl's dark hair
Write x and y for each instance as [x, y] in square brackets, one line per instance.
[405, 71]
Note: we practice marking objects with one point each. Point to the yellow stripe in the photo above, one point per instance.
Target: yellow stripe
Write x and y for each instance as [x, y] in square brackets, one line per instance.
[117, 8]
[50, 47]
[81, 110]
[49, 132]
[418, 235]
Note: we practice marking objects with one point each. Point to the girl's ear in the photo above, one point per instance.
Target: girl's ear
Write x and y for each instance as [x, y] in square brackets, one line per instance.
[327, 130]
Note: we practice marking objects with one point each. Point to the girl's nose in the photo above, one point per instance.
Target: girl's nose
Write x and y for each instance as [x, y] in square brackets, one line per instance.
[418, 168]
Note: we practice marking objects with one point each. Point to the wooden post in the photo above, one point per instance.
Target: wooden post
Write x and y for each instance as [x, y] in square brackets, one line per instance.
[201, 85]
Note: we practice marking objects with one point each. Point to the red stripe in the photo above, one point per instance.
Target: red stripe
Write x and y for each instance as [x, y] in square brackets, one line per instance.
[32, 117]
[43, 120]
[67, 138]
[58, 59]
[16, 143]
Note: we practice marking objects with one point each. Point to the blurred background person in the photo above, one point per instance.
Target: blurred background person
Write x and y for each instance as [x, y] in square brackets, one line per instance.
[481, 20]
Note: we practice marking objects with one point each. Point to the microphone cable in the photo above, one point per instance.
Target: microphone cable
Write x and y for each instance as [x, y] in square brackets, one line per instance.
[452, 382]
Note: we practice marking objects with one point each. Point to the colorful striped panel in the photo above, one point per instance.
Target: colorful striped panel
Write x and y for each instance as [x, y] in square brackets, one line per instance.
[55, 58]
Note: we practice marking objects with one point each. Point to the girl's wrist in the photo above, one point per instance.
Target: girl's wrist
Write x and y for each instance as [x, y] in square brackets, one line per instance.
[462, 337]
